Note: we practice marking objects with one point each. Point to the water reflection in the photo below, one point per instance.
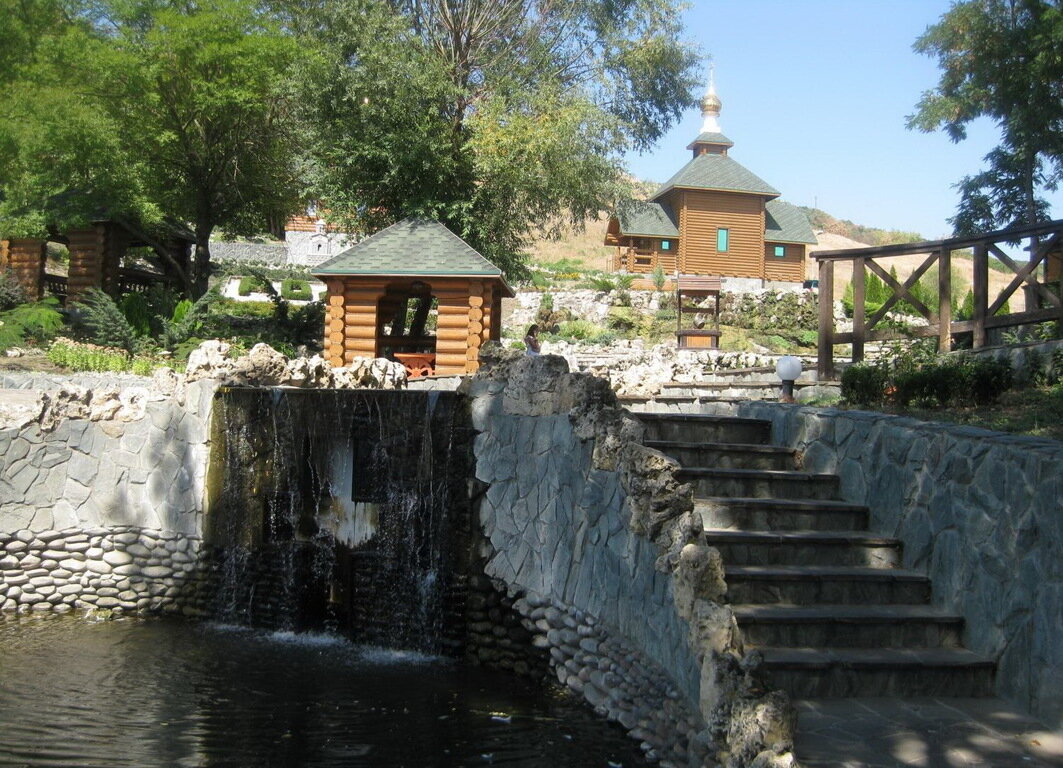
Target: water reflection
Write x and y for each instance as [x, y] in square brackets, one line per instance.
[167, 693]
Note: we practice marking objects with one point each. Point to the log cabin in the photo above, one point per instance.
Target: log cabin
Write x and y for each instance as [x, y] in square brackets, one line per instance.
[413, 292]
[713, 217]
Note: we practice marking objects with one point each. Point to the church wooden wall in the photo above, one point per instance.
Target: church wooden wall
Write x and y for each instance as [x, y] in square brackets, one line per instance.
[25, 258]
[791, 268]
[701, 214]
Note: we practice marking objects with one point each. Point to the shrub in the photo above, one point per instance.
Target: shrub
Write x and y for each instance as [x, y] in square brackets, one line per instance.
[89, 357]
[11, 292]
[253, 284]
[658, 277]
[35, 323]
[624, 282]
[136, 310]
[105, 323]
[293, 289]
[988, 379]
[864, 384]
[602, 283]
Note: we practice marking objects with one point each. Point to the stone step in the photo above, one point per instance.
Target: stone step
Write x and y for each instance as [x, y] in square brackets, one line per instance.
[805, 548]
[726, 455]
[849, 626]
[759, 483]
[697, 428]
[781, 514]
[836, 672]
[810, 585]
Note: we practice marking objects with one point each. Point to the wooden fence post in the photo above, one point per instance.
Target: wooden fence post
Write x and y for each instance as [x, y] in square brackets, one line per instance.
[825, 351]
[980, 292]
[944, 300]
[859, 307]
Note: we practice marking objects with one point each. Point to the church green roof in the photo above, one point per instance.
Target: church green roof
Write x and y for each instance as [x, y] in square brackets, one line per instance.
[410, 247]
[711, 138]
[786, 223]
[717, 172]
[648, 219]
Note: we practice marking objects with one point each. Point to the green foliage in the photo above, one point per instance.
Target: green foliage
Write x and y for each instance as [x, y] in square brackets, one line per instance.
[296, 290]
[658, 277]
[34, 323]
[11, 291]
[1000, 60]
[624, 281]
[195, 121]
[503, 120]
[253, 284]
[602, 283]
[87, 357]
[138, 312]
[105, 324]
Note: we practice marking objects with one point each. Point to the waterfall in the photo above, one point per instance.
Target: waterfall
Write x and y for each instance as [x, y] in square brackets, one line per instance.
[341, 509]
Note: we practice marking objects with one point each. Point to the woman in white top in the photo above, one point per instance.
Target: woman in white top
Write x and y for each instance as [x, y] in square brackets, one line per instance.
[531, 340]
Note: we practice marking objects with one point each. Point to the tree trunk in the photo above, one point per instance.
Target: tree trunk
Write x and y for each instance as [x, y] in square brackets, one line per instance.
[201, 259]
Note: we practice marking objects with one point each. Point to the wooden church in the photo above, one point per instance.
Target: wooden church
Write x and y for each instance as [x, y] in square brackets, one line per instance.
[713, 217]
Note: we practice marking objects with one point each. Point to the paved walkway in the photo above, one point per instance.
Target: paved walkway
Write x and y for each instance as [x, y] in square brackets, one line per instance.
[922, 733]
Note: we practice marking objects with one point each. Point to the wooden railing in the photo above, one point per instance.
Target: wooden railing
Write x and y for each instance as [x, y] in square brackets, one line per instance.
[1045, 242]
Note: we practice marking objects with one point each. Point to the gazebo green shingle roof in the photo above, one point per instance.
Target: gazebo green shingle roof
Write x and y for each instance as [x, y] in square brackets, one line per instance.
[717, 172]
[411, 247]
[648, 219]
[786, 223]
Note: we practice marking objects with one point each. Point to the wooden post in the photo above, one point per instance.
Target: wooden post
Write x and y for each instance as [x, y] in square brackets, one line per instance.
[944, 300]
[825, 351]
[859, 307]
[25, 259]
[980, 291]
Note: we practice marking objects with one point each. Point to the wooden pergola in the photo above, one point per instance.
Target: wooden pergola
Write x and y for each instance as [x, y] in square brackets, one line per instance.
[386, 293]
[96, 253]
[1043, 297]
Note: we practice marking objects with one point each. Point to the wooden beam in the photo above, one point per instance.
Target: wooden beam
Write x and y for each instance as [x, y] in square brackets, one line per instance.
[944, 300]
[980, 291]
[825, 344]
[901, 290]
[859, 296]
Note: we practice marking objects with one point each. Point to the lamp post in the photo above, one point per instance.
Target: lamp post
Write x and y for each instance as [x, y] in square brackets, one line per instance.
[788, 369]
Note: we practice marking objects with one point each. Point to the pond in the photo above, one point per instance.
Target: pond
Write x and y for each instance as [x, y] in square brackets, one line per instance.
[154, 692]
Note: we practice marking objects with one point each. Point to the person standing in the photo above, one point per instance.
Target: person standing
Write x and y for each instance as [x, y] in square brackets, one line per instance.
[531, 340]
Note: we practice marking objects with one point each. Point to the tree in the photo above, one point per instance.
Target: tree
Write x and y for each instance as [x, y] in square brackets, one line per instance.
[500, 118]
[1001, 59]
[169, 109]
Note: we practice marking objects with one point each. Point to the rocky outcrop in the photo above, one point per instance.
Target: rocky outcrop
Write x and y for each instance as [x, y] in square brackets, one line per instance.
[265, 366]
[583, 520]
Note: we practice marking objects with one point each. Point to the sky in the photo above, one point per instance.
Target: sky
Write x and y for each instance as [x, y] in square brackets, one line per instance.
[815, 95]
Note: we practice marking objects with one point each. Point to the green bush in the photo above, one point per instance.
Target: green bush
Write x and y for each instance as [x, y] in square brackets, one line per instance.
[105, 324]
[293, 289]
[602, 283]
[253, 284]
[32, 323]
[624, 282]
[988, 379]
[658, 277]
[11, 291]
[864, 384]
[87, 357]
[138, 312]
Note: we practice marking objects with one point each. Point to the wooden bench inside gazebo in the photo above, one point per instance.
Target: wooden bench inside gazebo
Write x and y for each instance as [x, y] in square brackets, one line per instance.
[416, 293]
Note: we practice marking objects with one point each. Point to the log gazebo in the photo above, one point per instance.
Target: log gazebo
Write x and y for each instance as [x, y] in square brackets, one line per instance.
[385, 292]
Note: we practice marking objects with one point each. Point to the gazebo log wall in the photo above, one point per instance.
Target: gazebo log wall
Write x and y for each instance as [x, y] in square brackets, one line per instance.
[468, 315]
[25, 258]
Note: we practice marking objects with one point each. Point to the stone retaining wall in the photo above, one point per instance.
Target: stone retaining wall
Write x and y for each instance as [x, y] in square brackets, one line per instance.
[981, 512]
[592, 538]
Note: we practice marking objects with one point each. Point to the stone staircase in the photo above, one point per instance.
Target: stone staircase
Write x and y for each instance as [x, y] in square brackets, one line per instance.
[827, 603]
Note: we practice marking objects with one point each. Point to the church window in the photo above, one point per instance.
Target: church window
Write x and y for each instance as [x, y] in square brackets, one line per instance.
[722, 236]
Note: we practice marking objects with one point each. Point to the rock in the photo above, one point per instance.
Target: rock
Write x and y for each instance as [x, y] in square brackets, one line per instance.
[211, 360]
[756, 725]
[262, 365]
[309, 372]
[698, 576]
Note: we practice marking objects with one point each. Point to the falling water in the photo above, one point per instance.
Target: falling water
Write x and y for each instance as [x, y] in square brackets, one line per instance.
[342, 509]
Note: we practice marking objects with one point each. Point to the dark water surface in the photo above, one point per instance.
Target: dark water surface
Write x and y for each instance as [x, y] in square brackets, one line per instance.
[167, 693]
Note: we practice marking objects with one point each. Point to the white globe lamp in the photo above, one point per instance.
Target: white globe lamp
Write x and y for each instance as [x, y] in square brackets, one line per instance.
[788, 369]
